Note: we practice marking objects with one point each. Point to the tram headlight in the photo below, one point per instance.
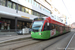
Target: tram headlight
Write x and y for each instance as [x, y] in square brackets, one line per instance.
[40, 33]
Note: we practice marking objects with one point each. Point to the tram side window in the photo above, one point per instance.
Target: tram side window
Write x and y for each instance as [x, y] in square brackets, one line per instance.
[48, 27]
[45, 27]
[56, 27]
[52, 26]
[63, 28]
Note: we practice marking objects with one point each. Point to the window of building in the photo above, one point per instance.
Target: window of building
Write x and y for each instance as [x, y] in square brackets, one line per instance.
[19, 7]
[30, 11]
[2, 2]
[42, 15]
[33, 2]
[30, 1]
[27, 0]
[27, 10]
[40, 7]
[14, 6]
[5, 24]
[22, 9]
[35, 13]
[37, 4]
[39, 14]
[9, 4]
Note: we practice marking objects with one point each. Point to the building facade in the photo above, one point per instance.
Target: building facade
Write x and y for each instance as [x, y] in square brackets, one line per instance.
[17, 14]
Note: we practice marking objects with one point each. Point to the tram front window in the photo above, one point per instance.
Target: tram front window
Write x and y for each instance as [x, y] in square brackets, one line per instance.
[37, 25]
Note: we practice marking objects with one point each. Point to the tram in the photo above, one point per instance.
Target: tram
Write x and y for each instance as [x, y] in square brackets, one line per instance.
[45, 28]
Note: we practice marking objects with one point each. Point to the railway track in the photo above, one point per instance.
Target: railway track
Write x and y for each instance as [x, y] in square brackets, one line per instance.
[43, 43]
[69, 41]
[18, 44]
[72, 35]
[54, 42]
[14, 42]
[28, 42]
[43, 48]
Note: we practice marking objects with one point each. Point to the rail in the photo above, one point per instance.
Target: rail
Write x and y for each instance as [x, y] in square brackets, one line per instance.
[69, 42]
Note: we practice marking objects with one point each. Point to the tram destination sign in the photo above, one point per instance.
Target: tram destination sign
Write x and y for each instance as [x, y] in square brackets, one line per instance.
[38, 19]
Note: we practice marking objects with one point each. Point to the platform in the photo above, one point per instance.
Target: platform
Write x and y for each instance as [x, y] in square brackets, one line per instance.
[11, 38]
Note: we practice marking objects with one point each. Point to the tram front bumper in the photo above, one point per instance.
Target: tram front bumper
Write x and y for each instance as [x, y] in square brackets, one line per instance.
[38, 35]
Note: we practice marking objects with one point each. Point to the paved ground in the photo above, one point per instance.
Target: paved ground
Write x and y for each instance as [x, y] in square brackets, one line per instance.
[57, 43]
[72, 44]
[9, 38]
[61, 45]
[6, 34]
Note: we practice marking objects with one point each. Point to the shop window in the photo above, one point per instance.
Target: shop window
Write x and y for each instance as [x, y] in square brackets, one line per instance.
[28, 25]
[19, 25]
[9, 4]
[5, 25]
[2, 2]
[14, 6]
[23, 25]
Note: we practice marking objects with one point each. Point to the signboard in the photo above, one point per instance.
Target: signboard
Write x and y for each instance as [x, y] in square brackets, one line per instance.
[25, 17]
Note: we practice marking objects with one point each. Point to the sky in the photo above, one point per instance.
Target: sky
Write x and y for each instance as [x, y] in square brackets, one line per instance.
[66, 7]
